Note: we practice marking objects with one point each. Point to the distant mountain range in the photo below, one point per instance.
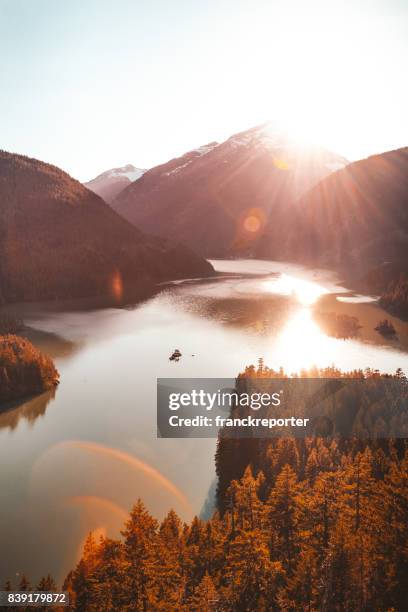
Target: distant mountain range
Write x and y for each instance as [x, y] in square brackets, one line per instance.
[59, 240]
[110, 183]
[219, 198]
[258, 194]
[261, 194]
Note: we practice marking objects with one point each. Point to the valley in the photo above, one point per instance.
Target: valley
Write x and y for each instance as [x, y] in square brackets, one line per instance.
[75, 459]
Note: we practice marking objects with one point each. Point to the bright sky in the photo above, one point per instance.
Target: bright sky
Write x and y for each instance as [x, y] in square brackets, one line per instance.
[93, 84]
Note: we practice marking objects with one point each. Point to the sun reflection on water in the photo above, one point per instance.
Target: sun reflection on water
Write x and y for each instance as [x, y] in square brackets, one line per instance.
[304, 291]
[301, 343]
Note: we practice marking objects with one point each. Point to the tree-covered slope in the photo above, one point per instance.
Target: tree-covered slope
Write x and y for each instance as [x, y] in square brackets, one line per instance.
[60, 240]
[24, 370]
[302, 524]
[356, 219]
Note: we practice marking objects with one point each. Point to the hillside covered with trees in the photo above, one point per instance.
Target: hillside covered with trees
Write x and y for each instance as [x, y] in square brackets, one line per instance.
[355, 221]
[59, 240]
[322, 528]
[395, 298]
[301, 524]
[24, 370]
[357, 215]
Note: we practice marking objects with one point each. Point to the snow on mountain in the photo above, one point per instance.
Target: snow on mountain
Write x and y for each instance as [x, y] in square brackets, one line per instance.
[191, 156]
[111, 182]
[272, 136]
[204, 197]
[129, 171]
[203, 150]
[178, 168]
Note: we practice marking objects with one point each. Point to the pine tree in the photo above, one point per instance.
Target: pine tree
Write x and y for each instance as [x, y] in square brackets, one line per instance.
[281, 517]
[47, 583]
[336, 592]
[247, 507]
[394, 536]
[361, 505]
[69, 588]
[108, 580]
[205, 597]
[24, 584]
[301, 589]
[141, 551]
[213, 543]
[319, 508]
[249, 576]
[81, 588]
[194, 561]
[170, 576]
[312, 466]
[90, 552]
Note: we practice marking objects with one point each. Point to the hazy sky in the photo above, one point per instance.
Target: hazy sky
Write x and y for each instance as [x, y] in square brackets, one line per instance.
[93, 84]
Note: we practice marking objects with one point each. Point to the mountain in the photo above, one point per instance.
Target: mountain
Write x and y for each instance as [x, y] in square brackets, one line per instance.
[356, 220]
[218, 198]
[60, 240]
[110, 183]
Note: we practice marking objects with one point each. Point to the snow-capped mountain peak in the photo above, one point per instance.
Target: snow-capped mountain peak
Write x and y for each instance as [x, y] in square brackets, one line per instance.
[283, 144]
[111, 182]
[129, 171]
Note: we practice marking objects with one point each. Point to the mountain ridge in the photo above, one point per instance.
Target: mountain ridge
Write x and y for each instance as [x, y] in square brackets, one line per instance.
[60, 240]
[356, 222]
[358, 216]
[111, 182]
[244, 177]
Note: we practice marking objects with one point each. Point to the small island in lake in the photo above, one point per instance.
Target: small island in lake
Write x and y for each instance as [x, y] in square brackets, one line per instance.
[386, 328]
[24, 370]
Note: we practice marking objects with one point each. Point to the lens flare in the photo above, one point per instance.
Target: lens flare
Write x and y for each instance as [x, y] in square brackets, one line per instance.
[252, 224]
[132, 462]
[281, 164]
[253, 220]
[90, 502]
[116, 286]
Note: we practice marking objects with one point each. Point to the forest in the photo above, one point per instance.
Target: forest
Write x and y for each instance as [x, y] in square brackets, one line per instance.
[395, 299]
[316, 524]
[24, 370]
[58, 240]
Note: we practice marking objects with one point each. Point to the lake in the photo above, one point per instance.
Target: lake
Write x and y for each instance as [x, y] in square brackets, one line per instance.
[76, 460]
